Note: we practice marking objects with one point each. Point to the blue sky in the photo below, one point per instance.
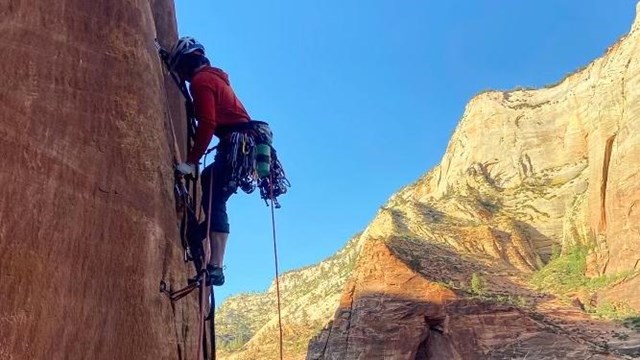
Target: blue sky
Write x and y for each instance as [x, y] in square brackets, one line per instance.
[363, 97]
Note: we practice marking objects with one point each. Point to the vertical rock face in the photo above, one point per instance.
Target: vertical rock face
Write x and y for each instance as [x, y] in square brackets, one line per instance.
[87, 219]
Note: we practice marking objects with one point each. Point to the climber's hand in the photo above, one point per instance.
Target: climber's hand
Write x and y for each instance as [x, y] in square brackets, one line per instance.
[186, 168]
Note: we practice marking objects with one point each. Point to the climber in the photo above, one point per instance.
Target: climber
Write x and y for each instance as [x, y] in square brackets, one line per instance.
[219, 112]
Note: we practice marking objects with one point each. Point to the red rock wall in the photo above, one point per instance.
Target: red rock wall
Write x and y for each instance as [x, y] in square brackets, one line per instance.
[389, 311]
[87, 221]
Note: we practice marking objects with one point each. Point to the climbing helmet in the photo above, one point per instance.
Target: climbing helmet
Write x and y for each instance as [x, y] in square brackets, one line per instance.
[185, 45]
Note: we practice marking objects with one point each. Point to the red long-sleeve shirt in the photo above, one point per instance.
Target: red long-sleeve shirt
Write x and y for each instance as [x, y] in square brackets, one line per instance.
[215, 105]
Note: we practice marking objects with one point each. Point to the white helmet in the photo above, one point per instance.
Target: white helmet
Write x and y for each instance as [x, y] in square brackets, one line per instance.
[185, 45]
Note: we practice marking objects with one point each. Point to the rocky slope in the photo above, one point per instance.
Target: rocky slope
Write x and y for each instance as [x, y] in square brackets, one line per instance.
[309, 297]
[87, 219]
[525, 231]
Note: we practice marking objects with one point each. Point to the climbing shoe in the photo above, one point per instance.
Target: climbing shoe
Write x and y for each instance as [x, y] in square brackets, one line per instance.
[215, 276]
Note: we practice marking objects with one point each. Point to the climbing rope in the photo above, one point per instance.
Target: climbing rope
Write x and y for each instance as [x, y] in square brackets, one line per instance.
[207, 257]
[212, 304]
[275, 258]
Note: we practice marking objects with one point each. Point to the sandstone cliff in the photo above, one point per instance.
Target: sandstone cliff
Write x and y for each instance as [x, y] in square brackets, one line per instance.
[87, 219]
[562, 159]
[522, 243]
